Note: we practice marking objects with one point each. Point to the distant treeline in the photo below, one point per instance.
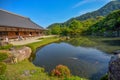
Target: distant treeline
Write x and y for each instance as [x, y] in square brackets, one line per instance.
[102, 26]
[102, 22]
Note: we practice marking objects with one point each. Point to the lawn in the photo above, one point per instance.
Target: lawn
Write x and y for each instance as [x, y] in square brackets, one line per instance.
[34, 46]
[25, 70]
[16, 71]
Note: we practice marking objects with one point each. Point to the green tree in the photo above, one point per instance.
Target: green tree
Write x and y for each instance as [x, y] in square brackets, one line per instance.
[76, 27]
[56, 29]
[65, 31]
[109, 24]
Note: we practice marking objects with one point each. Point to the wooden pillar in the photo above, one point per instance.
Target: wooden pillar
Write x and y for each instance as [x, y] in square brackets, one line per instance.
[12, 34]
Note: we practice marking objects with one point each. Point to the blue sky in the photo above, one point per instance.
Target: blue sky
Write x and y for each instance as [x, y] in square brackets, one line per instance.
[46, 12]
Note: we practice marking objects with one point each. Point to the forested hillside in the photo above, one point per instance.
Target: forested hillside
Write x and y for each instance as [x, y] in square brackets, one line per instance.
[74, 27]
[105, 10]
[95, 24]
[109, 26]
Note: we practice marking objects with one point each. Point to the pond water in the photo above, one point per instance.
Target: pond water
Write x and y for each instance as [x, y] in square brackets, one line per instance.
[82, 61]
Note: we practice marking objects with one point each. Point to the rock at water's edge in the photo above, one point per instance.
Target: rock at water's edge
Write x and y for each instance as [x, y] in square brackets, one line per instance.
[114, 67]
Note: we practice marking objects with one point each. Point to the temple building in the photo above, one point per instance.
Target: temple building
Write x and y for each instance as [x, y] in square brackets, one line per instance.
[13, 25]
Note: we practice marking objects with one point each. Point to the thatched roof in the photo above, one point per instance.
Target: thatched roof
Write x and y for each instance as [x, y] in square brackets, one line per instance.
[13, 20]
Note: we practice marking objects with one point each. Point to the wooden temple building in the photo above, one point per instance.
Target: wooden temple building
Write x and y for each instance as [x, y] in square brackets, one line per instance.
[13, 25]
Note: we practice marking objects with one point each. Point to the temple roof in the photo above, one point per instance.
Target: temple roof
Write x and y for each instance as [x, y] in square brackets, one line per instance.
[9, 19]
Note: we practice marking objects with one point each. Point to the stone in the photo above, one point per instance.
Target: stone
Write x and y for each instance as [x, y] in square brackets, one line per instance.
[33, 71]
[117, 52]
[114, 68]
[21, 54]
[26, 73]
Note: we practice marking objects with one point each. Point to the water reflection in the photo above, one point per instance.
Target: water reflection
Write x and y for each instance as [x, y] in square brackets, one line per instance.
[82, 61]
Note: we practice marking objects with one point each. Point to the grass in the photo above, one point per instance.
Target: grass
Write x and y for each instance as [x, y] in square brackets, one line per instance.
[34, 46]
[6, 47]
[3, 56]
[44, 41]
[16, 71]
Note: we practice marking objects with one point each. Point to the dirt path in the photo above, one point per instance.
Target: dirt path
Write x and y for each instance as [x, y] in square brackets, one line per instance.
[28, 40]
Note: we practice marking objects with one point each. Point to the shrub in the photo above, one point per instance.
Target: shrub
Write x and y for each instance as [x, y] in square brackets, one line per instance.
[61, 71]
[2, 68]
[2, 77]
[3, 56]
[105, 77]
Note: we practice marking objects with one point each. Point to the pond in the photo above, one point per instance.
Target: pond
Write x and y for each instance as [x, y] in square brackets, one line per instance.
[85, 62]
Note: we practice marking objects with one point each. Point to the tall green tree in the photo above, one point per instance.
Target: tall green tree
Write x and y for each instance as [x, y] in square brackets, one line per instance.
[56, 29]
[76, 27]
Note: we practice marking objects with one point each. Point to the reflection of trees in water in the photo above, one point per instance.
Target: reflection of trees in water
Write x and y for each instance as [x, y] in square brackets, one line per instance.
[81, 41]
[112, 42]
[81, 64]
[105, 44]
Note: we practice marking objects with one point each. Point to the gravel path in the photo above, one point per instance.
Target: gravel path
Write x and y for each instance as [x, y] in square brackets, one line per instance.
[27, 41]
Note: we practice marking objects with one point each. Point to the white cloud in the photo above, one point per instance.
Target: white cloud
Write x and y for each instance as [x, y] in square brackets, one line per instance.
[85, 11]
[80, 3]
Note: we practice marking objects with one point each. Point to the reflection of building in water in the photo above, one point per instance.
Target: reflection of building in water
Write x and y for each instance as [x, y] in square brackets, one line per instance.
[12, 26]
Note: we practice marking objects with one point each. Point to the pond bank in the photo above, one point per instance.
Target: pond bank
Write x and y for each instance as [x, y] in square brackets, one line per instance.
[77, 59]
[25, 70]
[16, 71]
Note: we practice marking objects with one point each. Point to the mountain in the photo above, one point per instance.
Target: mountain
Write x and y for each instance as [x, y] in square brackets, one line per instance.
[105, 10]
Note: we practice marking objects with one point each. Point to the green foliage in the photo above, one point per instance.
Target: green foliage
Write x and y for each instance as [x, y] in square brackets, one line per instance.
[74, 27]
[105, 77]
[61, 71]
[6, 47]
[65, 31]
[2, 77]
[47, 32]
[56, 29]
[109, 24]
[2, 68]
[3, 56]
